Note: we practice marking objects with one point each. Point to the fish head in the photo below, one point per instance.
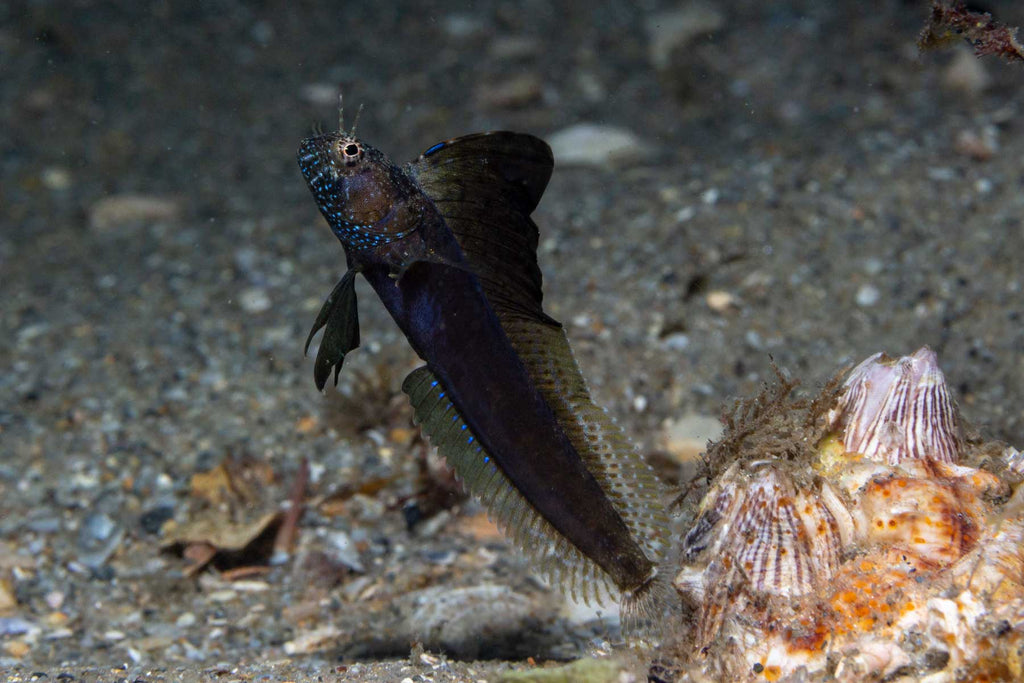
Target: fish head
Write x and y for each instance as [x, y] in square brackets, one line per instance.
[356, 187]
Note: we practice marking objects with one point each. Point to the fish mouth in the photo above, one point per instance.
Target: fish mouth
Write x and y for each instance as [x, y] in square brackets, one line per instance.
[314, 157]
[330, 154]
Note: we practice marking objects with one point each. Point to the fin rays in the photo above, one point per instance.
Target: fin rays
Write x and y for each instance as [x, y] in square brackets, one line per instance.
[554, 556]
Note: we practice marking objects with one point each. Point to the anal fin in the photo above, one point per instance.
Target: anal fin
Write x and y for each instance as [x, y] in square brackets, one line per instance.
[550, 553]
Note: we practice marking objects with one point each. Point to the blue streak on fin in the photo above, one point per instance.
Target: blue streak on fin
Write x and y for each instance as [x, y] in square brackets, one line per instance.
[339, 316]
[434, 148]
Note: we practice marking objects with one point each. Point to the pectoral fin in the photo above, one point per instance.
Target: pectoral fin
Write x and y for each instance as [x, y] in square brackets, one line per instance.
[339, 317]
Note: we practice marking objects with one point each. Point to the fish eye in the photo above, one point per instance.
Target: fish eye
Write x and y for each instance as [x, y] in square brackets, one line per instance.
[351, 153]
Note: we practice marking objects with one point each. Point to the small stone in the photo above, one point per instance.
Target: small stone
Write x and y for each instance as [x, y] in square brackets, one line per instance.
[54, 599]
[254, 300]
[466, 622]
[56, 178]
[710, 196]
[589, 144]
[17, 648]
[113, 636]
[185, 620]
[686, 437]
[16, 626]
[513, 47]
[685, 214]
[7, 600]
[342, 550]
[518, 91]
[966, 74]
[311, 641]
[720, 301]
[225, 595]
[980, 146]
[98, 538]
[117, 211]
[461, 26]
[674, 29]
[55, 619]
[320, 94]
[867, 295]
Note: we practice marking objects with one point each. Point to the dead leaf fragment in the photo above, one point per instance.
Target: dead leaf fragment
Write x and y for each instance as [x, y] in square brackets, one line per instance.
[210, 540]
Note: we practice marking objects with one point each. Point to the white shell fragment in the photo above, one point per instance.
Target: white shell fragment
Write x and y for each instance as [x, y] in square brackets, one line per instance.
[875, 548]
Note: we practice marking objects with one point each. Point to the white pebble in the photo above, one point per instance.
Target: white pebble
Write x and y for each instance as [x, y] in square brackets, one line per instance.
[589, 144]
[672, 30]
[116, 211]
[867, 295]
[254, 300]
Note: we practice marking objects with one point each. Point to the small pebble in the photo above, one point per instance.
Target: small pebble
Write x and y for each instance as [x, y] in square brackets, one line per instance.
[114, 212]
[980, 146]
[674, 29]
[513, 47]
[590, 144]
[225, 595]
[686, 213]
[185, 620]
[7, 600]
[54, 599]
[512, 93]
[56, 178]
[320, 94]
[254, 300]
[16, 626]
[686, 437]
[460, 25]
[720, 301]
[867, 295]
[342, 550]
[311, 641]
[966, 74]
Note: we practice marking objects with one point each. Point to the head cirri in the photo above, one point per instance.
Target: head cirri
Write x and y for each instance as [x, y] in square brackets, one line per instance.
[356, 188]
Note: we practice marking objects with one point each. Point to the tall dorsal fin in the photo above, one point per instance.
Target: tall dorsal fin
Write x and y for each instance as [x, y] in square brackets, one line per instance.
[485, 186]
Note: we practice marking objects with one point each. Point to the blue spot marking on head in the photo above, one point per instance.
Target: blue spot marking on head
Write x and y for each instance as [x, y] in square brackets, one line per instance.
[434, 148]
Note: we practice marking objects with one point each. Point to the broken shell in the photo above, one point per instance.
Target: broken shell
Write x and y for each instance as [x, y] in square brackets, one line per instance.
[882, 549]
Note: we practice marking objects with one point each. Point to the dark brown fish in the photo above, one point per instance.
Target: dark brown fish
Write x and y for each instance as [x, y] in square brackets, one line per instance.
[448, 245]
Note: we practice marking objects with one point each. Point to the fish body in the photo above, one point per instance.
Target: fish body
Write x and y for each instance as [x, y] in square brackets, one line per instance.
[448, 246]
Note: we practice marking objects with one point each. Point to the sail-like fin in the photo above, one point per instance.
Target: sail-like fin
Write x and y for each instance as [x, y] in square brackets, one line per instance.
[553, 556]
[485, 186]
[339, 316]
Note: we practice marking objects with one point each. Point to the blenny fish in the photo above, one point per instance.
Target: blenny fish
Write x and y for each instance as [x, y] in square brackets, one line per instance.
[448, 245]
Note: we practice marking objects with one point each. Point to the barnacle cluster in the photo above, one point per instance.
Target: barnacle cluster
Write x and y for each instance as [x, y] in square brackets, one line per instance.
[886, 546]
